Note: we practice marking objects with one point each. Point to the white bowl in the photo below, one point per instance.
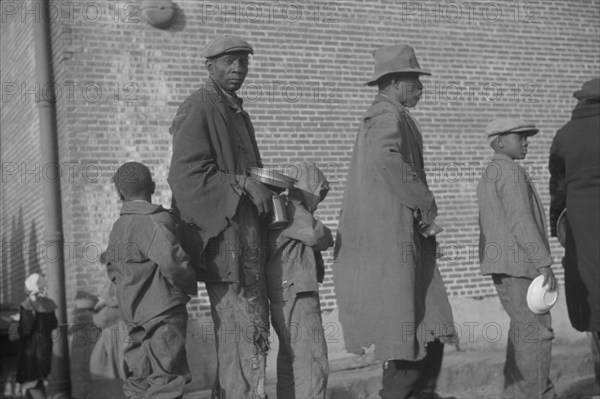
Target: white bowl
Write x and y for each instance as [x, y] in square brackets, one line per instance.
[540, 299]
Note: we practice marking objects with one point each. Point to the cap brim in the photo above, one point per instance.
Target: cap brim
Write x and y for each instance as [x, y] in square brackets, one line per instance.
[244, 50]
[529, 131]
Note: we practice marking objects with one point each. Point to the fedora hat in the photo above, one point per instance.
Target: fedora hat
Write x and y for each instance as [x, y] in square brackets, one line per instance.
[395, 59]
[590, 89]
[539, 297]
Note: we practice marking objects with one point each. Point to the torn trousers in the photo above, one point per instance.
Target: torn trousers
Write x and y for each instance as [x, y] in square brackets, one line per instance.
[302, 364]
[240, 311]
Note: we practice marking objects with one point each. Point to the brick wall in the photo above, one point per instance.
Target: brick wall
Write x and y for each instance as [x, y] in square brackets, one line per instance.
[122, 81]
[20, 194]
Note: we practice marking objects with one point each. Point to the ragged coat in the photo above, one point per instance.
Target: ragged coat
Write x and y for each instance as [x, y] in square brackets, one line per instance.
[388, 287]
[295, 264]
[213, 146]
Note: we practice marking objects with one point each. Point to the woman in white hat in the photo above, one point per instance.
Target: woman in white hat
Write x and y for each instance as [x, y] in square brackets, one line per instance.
[34, 333]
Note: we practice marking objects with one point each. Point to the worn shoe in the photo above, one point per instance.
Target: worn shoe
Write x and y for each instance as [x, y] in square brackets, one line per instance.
[417, 394]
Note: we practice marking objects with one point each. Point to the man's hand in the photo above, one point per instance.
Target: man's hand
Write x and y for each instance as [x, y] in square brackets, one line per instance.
[259, 195]
[549, 278]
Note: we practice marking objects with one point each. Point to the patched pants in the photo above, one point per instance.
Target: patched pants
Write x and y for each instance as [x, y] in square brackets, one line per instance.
[240, 317]
[156, 357]
[302, 364]
[528, 353]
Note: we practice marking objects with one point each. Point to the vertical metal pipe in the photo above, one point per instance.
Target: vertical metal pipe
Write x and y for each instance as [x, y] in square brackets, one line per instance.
[59, 381]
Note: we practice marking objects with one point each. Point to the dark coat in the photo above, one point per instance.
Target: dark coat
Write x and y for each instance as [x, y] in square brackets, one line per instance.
[37, 320]
[575, 184]
[145, 260]
[388, 287]
[296, 265]
[208, 166]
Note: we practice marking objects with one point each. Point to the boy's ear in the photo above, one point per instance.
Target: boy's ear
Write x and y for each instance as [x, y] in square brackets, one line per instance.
[121, 195]
[152, 187]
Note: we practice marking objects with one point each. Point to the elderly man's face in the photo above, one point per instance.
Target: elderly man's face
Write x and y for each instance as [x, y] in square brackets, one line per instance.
[229, 70]
[409, 90]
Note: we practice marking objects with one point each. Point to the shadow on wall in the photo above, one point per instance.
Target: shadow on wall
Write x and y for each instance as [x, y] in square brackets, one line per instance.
[15, 268]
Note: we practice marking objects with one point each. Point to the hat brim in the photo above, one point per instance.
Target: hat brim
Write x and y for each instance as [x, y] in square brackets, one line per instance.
[377, 78]
[581, 94]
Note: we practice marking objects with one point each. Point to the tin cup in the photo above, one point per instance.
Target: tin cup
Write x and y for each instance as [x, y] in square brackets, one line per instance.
[280, 217]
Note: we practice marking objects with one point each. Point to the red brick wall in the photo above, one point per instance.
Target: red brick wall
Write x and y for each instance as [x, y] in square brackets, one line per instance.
[122, 81]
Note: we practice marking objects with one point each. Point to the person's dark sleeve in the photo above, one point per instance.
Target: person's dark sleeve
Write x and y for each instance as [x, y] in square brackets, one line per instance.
[174, 264]
[384, 141]
[558, 186]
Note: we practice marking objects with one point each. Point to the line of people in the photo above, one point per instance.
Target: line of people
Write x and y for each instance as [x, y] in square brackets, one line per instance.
[388, 286]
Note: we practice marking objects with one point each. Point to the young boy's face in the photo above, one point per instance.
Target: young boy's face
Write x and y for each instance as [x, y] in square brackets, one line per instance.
[513, 144]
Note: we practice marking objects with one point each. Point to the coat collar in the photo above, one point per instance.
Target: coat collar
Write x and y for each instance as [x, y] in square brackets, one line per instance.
[232, 100]
[382, 97]
[41, 305]
[585, 111]
[501, 157]
[140, 208]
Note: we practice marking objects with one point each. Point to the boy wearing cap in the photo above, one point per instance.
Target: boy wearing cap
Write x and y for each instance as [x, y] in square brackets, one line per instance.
[514, 249]
[222, 213]
[154, 281]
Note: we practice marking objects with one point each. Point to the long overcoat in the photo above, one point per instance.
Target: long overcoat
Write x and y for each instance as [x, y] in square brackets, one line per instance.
[388, 287]
[575, 172]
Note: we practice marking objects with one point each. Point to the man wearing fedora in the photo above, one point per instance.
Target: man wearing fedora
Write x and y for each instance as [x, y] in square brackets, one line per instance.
[221, 215]
[389, 289]
[575, 186]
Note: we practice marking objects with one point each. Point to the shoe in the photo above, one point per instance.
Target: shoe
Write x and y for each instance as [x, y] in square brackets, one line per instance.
[417, 394]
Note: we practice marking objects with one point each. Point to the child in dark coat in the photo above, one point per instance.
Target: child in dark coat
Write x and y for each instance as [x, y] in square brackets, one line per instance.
[293, 272]
[154, 281]
[34, 333]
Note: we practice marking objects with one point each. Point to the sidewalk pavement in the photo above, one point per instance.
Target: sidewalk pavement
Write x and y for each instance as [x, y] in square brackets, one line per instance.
[465, 375]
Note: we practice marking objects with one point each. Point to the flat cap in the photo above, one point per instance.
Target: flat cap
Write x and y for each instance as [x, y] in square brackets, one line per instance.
[502, 126]
[226, 44]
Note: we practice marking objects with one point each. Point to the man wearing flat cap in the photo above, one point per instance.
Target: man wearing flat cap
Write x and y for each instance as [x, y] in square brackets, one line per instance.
[575, 186]
[221, 213]
[388, 287]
